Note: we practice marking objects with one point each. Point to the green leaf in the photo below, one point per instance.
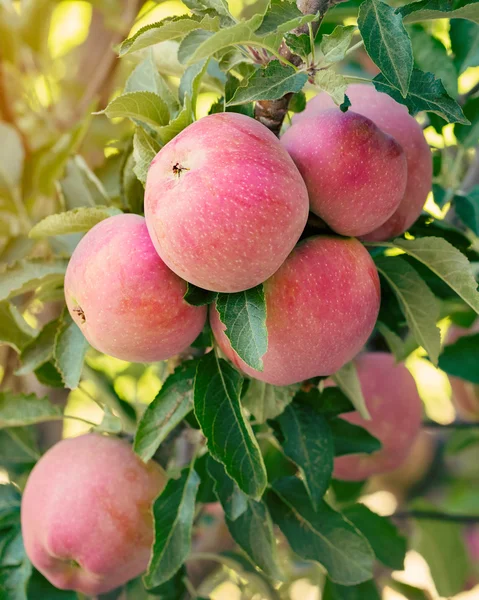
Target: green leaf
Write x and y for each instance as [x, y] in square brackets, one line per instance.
[363, 591]
[146, 78]
[171, 405]
[145, 107]
[409, 592]
[461, 359]
[80, 186]
[132, 192]
[269, 83]
[173, 513]
[331, 402]
[39, 350]
[266, 401]
[197, 296]
[230, 438]
[10, 501]
[324, 535]
[244, 315]
[27, 275]
[15, 568]
[387, 42]
[169, 29]
[348, 382]
[388, 544]
[110, 423]
[18, 449]
[308, 442]
[201, 43]
[467, 209]
[40, 588]
[299, 44]
[446, 262]
[248, 521]
[14, 330]
[191, 81]
[282, 16]
[439, 9]
[352, 439]
[333, 47]
[441, 544]
[468, 135]
[184, 118]
[425, 93]
[418, 303]
[12, 156]
[464, 43]
[69, 352]
[145, 148]
[78, 220]
[332, 83]
[431, 55]
[17, 410]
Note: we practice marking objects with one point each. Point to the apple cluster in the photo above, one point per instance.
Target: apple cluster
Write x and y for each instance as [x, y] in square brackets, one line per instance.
[226, 204]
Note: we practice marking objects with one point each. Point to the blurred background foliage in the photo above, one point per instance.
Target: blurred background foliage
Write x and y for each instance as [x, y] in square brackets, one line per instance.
[58, 64]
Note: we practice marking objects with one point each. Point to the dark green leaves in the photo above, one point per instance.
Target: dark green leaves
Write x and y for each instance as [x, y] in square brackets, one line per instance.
[229, 436]
[464, 43]
[309, 443]
[363, 591]
[266, 401]
[388, 544]
[467, 209]
[269, 83]
[439, 9]
[173, 513]
[425, 93]
[352, 439]
[461, 359]
[324, 535]
[173, 402]
[387, 42]
[244, 314]
[197, 296]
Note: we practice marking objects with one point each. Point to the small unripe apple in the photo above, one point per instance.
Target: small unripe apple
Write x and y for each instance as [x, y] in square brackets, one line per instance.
[322, 305]
[126, 301]
[395, 407]
[224, 203]
[86, 513]
[355, 173]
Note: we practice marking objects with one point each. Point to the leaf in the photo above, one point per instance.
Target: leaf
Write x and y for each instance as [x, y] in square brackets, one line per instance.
[324, 535]
[17, 410]
[281, 17]
[197, 296]
[169, 29]
[266, 401]
[431, 55]
[270, 83]
[132, 192]
[14, 330]
[201, 43]
[78, 220]
[333, 83]
[176, 126]
[461, 359]
[248, 521]
[352, 439]
[12, 156]
[387, 42]
[173, 513]
[348, 381]
[388, 544]
[439, 9]
[40, 588]
[363, 591]
[69, 352]
[39, 350]
[244, 315]
[418, 303]
[171, 405]
[467, 209]
[191, 80]
[229, 436]
[331, 402]
[409, 592]
[18, 449]
[110, 423]
[464, 43]
[425, 93]
[468, 135]
[145, 107]
[335, 45]
[145, 148]
[15, 568]
[80, 187]
[299, 44]
[10, 502]
[27, 275]
[308, 442]
[446, 262]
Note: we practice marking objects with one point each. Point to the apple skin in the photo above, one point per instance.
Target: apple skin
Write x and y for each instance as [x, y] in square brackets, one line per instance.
[355, 174]
[86, 513]
[322, 305]
[224, 203]
[394, 119]
[465, 394]
[125, 300]
[395, 407]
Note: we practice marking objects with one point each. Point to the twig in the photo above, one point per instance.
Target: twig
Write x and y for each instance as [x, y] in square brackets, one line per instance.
[433, 515]
[454, 425]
